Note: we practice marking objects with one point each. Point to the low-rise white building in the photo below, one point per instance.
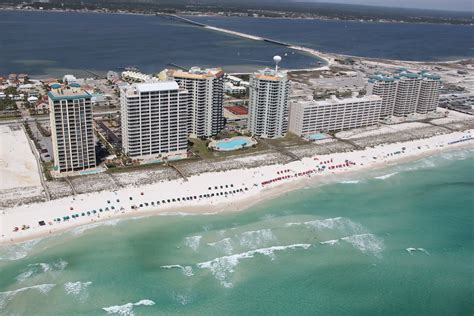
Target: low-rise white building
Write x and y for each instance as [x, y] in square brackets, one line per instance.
[230, 88]
[68, 79]
[309, 117]
[135, 76]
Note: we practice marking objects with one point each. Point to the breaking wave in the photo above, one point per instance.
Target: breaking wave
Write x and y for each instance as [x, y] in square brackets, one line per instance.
[17, 251]
[350, 181]
[410, 250]
[187, 270]
[253, 239]
[193, 242]
[341, 224]
[127, 309]
[6, 297]
[41, 267]
[367, 243]
[182, 298]
[81, 229]
[221, 267]
[224, 245]
[77, 289]
[386, 176]
[330, 242]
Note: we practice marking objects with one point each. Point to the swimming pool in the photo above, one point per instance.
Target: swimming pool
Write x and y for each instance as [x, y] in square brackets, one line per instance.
[316, 136]
[90, 171]
[232, 143]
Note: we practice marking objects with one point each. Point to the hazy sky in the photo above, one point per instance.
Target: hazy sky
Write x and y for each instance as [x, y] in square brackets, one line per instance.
[456, 5]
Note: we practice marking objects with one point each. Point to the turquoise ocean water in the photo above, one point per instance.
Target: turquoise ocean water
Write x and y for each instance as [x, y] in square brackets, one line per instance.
[394, 241]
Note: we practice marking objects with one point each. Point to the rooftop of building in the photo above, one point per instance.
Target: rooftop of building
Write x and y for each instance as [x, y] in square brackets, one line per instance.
[151, 86]
[335, 101]
[196, 73]
[135, 75]
[402, 73]
[67, 93]
[270, 74]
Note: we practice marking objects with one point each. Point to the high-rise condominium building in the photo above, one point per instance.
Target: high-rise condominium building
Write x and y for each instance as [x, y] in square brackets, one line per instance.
[385, 87]
[206, 88]
[309, 117]
[408, 91]
[428, 100]
[71, 128]
[405, 92]
[268, 106]
[154, 119]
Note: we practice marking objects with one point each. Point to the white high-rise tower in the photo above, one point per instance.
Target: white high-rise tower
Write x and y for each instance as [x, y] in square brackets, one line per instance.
[268, 107]
[206, 88]
[154, 120]
[71, 128]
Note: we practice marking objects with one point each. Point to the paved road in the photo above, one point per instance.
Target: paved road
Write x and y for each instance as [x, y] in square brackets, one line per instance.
[46, 118]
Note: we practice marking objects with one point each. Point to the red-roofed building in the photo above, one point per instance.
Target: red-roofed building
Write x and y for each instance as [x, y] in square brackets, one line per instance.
[237, 110]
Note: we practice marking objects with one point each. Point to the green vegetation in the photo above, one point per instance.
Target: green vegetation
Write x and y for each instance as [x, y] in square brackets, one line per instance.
[227, 134]
[199, 147]
[29, 132]
[289, 140]
[136, 167]
[42, 129]
[8, 104]
[47, 170]
[10, 90]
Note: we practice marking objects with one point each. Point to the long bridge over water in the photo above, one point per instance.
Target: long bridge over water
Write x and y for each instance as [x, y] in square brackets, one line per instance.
[253, 37]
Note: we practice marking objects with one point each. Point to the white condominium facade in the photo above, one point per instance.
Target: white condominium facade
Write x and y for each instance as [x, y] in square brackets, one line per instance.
[385, 87]
[154, 120]
[206, 88]
[309, 117]
[406, 93]
[268, 104]
[72, 130]
[428, 99]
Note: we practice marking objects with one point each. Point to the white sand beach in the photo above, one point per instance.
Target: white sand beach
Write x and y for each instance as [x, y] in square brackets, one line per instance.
[18, 167]
[231, 190]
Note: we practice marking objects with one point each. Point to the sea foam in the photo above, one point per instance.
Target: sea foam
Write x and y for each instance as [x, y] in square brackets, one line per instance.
[186, 270]
[127, 309]
[77, 289]
[6, 297]
[193, 242]
[255, 238]
[367, 243]
[18, 251]
[350, 182]
[223, 245]
[386, 176]
[81, 229]
[410, 250]
[221, 267]
[330, 242]
[183, 298]
[35, 269]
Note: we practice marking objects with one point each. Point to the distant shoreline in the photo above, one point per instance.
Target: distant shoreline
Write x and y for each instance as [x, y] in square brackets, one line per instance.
[328, 57]
[237, 14]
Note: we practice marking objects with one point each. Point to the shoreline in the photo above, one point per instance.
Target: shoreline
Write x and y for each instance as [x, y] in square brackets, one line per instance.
[249, 184]
[204, 14]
